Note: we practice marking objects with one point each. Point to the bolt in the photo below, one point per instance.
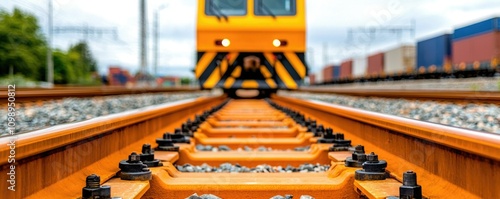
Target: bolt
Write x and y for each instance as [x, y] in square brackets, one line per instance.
[372, 157]
[133, 157]
[146, 149]
[359, 149]
[410, 188]
[93, 181]
[361, 157]
[409, 178]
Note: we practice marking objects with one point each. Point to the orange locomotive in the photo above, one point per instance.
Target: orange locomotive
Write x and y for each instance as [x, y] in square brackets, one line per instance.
[251, 44]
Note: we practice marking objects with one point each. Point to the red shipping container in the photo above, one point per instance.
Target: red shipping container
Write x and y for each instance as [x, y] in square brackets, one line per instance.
[114, 70]
[375, 64]
[483, 47]
[346, 69]
[312, 79]
[328, 74]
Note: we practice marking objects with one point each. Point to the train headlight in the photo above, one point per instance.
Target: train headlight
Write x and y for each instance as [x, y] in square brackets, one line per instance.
[276, 43]
[279, 43]
[225, 42]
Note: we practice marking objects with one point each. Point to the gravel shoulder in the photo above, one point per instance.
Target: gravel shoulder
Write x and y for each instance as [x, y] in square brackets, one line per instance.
[480, 117]
[31, 117]
[466, 84]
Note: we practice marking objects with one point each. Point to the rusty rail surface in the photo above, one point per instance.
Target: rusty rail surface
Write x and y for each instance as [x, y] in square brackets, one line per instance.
[440, 95]
[450, 162]
[54, 162]
[36, 94]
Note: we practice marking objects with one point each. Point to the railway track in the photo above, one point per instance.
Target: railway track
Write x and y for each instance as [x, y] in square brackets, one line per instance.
[449, 162]
[40, 94]
[437, 95]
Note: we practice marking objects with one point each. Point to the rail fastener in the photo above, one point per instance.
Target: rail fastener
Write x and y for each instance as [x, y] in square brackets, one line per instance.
[373, 169]
[134, 169]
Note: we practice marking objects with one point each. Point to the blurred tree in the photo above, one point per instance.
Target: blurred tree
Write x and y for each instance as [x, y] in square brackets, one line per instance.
[83, 63]
[63, 70]
[185, 81]
[22, 45]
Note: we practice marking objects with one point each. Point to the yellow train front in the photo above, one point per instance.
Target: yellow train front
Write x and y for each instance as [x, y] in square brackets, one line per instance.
[251, 44]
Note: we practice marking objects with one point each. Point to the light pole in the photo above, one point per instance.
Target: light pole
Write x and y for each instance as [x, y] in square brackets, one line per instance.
[50, 63]
[155, 42]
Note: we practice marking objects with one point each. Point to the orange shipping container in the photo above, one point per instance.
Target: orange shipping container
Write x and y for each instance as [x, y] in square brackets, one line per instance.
[376, 64]
[346, 69]
[328, 74]
[481, 48]
[312, 79]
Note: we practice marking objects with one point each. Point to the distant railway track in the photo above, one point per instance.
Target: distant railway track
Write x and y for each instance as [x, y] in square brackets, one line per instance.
[449, 161]
[37, 94]
[438, 95]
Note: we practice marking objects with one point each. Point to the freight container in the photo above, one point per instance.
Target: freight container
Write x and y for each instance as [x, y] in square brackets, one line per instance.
[312, 79]
[360, 65]
[336, 72]
[318, 77]
[399, 60]
[486, 26]
[328, 74]
[481, 48]
[434, 52]
[346, 69]
[375, 64]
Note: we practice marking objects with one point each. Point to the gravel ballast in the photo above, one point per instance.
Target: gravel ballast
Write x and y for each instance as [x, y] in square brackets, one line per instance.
[69, 110]
[200, 147]
[480, 117]
[263, 168]
[210, 196]
[467, 84]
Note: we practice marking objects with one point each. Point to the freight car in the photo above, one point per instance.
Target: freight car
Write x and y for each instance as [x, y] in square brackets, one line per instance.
[251, 44]
[471, 51]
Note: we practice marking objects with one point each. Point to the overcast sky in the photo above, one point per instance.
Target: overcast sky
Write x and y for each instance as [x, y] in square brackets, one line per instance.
[328, 22]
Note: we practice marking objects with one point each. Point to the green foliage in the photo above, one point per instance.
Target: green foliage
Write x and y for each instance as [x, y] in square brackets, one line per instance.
[185, 81]
[82, 57]
[83, 63]
[63, 70]
[22, 45]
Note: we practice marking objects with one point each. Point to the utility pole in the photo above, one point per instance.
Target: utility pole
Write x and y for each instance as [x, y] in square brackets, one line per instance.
[50, 63]
[143, 43]
[155, 42]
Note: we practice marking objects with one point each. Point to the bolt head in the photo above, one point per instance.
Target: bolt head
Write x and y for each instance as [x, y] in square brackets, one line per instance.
[133, 157]
[372, 157]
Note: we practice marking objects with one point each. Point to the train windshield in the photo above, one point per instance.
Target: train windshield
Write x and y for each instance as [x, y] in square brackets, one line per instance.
[275, 7]
[226, 7]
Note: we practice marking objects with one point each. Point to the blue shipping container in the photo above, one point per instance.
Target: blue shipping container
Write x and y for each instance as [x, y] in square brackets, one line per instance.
[482, 27]
[433, 51]
[336, 72]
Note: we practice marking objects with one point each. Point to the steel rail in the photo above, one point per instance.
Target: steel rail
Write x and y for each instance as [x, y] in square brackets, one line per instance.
[36, 94]
[450, 161]
[441, 95]
[55, 161]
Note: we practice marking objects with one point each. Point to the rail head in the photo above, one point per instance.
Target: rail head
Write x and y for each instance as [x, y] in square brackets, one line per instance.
[454, 95]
